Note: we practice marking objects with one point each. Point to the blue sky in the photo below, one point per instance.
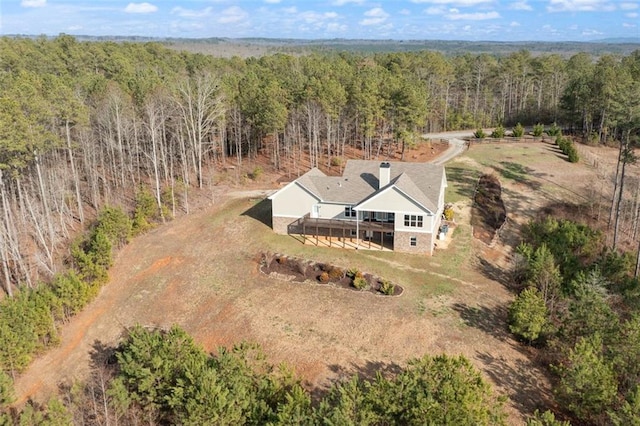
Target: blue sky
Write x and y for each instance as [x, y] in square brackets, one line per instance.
[498, 20]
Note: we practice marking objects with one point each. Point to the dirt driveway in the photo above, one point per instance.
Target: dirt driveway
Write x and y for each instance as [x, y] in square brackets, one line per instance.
[201, 272]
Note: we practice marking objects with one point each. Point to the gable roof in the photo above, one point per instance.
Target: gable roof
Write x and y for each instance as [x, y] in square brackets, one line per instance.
[421, 182]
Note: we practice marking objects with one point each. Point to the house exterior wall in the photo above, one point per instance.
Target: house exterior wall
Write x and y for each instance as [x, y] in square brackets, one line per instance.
[332, 211]
[290, 204]
[390, 197]
[424, 242]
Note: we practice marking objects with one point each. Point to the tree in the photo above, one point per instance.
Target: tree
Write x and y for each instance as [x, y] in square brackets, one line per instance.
[544, 275]
[518, 131]
[528, 315]
[587, 384]
[629, 413]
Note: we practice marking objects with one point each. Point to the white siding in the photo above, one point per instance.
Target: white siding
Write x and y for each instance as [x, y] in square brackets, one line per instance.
[391, 200]
[332, 211]
[292, 201]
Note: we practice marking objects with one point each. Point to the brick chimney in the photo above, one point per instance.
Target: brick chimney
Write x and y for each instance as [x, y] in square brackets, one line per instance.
[384, 175]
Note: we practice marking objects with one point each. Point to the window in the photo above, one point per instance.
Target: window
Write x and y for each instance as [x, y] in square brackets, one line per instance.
[413, 221]
[413, 241]
[349, 212]
[353, 233]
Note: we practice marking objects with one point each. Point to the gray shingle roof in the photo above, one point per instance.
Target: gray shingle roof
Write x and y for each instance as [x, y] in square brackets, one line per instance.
[420, 181]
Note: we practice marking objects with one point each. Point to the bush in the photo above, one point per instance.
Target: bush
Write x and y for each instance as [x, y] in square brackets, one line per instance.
[518, 131]
[335, 273]
[479, 134]
[538, 130]
[387, 287]
[498, 132]
[256, 173]
[336, 161]
[360, 283]
[353, 273]
[115, 224]
[448, 213]
[554, 130]
[324, 278]
[572, 153]
[146, 211]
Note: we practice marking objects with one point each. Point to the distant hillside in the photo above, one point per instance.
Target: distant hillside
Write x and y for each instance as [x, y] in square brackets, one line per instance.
[247, 47]
[257, 47]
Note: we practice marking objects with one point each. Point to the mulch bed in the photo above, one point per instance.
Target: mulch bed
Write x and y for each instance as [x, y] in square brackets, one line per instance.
[488, 213]
[299, 270]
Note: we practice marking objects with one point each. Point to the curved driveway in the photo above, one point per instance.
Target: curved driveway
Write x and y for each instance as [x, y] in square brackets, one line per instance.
[456, 144]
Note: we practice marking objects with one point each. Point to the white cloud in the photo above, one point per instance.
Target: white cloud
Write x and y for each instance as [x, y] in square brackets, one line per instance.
[589, 33]
[478, 16]
[435, 10]
[520, 5]
[334, 27]
[514, 24]
[315, 17]
[580, 6]
[628, 25]
[272, 1]
[631, 15]
[232, 15]
[628, 6]
[343, 2]
[405, 12]
[188, 13]
[374, 16]
[33, 3]
[454, 2]
[290, 10]
[140, 8]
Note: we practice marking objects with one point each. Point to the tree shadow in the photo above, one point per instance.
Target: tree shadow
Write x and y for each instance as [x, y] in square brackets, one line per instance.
[102, 355]
[490, 320]
[495, 273]
[367, 371]
[519, 380]
[464, 178]
[260, 211]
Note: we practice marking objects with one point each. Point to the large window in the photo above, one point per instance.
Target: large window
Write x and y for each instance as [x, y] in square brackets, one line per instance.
[349, 212]
[413, 221]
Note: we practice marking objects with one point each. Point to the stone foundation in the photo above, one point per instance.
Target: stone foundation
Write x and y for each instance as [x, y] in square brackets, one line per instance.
[402, 242]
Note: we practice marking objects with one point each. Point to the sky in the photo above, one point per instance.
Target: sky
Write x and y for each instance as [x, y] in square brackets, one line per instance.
[473, 20]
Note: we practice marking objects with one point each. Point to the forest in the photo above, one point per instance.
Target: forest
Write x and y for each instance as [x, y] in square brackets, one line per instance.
[100, 139]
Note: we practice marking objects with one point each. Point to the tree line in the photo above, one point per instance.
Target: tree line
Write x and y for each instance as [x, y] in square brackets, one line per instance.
[85, 124]
[579, 303]
[163, 377]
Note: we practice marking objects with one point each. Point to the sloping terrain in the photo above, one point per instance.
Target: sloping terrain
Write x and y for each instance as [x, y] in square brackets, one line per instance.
[201, 272]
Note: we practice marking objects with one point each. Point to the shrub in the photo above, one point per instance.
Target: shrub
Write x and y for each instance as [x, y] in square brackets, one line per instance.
[554, 130]
[572, 153]
[146, 211]
[448, 213]
[387, 287]
[498, 132]
[324, 278]
[353, 273]
[479, 134]
[518, 131]
[256, 173]
[115, 225]
[360, 283]
[538, 130]
[336, 161]
[335, 273]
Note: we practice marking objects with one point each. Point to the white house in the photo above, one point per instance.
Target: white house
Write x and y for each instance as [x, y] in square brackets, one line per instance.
[397, 205]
